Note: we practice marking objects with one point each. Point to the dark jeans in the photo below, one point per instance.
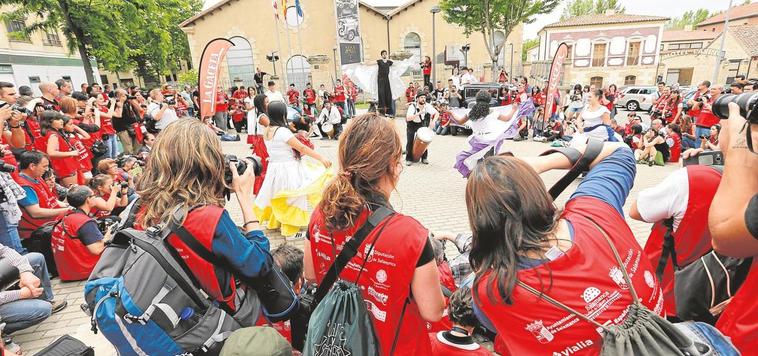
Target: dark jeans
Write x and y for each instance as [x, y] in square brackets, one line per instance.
[23, 313]
[412, 127]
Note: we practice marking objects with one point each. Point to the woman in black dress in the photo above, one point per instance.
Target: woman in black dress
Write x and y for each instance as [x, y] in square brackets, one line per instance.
[383, 81]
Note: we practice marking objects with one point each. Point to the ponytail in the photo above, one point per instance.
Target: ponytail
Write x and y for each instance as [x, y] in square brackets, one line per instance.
[341, 203]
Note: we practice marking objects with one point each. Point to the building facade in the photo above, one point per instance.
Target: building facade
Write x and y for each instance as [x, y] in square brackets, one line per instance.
[40, 57]
[307, 46]
[746, 14]
[606, 49]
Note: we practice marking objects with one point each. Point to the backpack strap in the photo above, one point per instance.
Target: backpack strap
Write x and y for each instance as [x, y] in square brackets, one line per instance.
[668, 249]
[349, 251]
[580, 164]
[618, 260]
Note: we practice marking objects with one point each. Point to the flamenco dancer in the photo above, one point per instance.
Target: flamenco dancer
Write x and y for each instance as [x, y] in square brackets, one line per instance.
[490, 129]
[383, 82]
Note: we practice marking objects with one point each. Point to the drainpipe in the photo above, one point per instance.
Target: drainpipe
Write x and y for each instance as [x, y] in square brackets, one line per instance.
[387, 18]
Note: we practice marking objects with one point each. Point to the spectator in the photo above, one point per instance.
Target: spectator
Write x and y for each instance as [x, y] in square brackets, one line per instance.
[64, 157]
[595, 119]
[634, 139]
[458, 340]
[125, 117]
[426, 68]
[454, 97]
[688, 133]
[339, 96]
[49, 98]
[576, 102]
[290, 259]
[12, 120]
[674, 142]
[147, 146]
[10, 213]
[705, 118]
[64, 88]
[104, 108]
[186, 169]
[77, 242]
[654, 149]
[186, 95]
[293, 96]
[110, 167]
[272, 94]
[164, 113]
[657, 125]
[79, 138]
[410, 92]
[310, 98]
[328, 122]
[678, 204]
[369, 152]
[84, 88]
[711, 142]
[459, 266]
[40, 204]
[108, 195]
[737, 87]
[522, 239]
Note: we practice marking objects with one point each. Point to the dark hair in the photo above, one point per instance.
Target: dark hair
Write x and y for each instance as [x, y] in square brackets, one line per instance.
[718, 128]
[277, 114]
[290, 260]
[98, 180]
[675, 128]
[510, 214]
[259, 102]
[636, 129]
[77, 195]
[707, 83]
[293, 84]
[25, 90]
[79, 96]
[46, 120]
[661, 82]
[4, 85]
[737, 85]
[461, 308]
[615, 88]
[368, 151]
[30, 157]
[383, 52]
[482, 106]
[598, 93]
[270, 83]
[60, 83]
[579, 87]
[233, 89]
[586, 88]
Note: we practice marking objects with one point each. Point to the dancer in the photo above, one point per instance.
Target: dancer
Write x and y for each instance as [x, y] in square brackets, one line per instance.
[420, 114]
[383, 81]
[292, 186]
[490, 129]
[255, 137]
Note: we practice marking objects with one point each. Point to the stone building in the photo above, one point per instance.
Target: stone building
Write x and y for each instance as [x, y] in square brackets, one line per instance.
[746, 14]
[307, 46]
[621, 49]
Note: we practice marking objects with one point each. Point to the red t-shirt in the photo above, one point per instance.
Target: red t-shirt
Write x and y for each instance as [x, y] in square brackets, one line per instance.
[310, 95]
[221, 101]
[740, 319]
[293, 95]
[339, 94]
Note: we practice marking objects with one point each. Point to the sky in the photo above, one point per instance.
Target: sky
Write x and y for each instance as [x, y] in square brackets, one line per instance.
[637, 7]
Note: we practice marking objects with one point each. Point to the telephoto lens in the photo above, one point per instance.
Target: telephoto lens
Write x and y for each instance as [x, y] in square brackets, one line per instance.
[241, 165]
[746, 101]
[7, 168]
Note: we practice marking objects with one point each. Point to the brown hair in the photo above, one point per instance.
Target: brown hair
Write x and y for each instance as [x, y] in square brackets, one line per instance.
[69, 105]
[104, 165]
[98, 181]
[368, 151]
[510, 213]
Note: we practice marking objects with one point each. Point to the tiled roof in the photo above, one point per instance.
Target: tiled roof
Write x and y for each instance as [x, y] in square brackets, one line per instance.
[601, 19]
[684, 35]
[735, 13]
[747, 35]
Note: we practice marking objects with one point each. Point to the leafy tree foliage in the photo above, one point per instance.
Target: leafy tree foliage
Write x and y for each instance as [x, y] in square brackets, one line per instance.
[527, 45]
[587, 7]
[688, 18]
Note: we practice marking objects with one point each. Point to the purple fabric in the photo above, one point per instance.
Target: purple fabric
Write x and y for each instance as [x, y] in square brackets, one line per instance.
[477, 144]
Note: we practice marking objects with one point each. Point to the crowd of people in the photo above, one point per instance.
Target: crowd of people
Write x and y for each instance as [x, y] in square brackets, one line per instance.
[75, 160]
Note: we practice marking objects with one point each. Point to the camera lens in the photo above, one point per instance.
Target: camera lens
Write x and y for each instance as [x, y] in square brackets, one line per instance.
[746, 102]
[7, 168]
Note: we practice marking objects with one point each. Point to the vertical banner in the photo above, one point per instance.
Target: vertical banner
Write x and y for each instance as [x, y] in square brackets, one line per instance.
[556, 73]
[348, 31]
[207, 77]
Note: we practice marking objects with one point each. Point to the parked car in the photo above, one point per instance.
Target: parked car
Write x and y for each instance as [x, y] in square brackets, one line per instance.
[469, 98]
[636, 98]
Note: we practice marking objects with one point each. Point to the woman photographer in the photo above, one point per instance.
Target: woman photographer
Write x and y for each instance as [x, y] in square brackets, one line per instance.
[64, 157]
[406, 295]
[712, 141]
[186, 169]
[109, 195]
[525, 249]
[78, 138]
[291, 184]
[105, 109]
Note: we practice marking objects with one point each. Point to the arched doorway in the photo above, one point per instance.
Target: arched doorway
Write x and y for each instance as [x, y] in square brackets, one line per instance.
[412, 44]
[298, 71]
[239, 60]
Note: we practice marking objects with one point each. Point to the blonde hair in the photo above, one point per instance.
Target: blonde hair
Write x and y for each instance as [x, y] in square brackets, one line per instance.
[186, 167]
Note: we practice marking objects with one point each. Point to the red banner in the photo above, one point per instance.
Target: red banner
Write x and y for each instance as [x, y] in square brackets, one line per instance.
[207, 78]
[556, 73]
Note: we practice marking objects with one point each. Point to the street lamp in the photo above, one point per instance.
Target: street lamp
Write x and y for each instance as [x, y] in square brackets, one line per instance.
[434, 10]
[273, 57]
[511, 73]
[465, 48]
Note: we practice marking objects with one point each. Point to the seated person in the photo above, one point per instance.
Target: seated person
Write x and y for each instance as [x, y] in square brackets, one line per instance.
[711, 142]
[77, 242]
[679, 204]
[109, 196]
[110, 167]
[459, 266]
[654, 149]
[32, 302]
[634, 139]
[290, 259]
[147, 146]
[458, 340]
[40, 204]
[223, 136]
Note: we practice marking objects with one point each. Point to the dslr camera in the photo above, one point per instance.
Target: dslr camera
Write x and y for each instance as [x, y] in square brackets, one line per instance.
[17, 108]
[104, 223]
[746, 102]
[170, 100]
[6, 168]
[241, 165]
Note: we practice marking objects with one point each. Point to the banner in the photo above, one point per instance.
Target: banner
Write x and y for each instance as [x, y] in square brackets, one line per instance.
[556, 73]
[207, 78]
[348, 31]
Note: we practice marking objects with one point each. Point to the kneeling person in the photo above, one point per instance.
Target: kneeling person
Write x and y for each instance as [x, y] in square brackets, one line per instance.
[77, 242]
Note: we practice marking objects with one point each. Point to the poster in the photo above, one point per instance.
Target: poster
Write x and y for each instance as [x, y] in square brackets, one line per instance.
[348, 31]
[208, 75]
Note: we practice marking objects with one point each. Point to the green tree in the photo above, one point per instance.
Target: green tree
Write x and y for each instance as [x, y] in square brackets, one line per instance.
[527, 45]
[688, 18]
[486, 16]
[587, 7]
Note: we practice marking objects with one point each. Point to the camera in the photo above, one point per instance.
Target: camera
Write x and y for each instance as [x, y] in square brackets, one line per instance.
[104, 223]
[130, 97]
[746, 101]
[7, 168]
[170, 100]
[17, 108]
[241, 165]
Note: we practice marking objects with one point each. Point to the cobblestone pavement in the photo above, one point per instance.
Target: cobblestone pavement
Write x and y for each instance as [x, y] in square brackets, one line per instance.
[433, 194]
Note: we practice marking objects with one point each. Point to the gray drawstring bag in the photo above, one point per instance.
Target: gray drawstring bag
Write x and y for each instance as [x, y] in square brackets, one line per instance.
[643, 332]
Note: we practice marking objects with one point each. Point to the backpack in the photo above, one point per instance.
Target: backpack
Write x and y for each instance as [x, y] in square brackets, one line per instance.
[340, 323]
[164, 314]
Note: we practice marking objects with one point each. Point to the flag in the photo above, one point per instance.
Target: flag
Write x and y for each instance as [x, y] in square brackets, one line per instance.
[299, 9]
[276, 9]
[554, 78]
[284, 9]
[208, 74]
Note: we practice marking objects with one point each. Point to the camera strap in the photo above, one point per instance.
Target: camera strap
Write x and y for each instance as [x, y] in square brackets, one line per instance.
[580, 163]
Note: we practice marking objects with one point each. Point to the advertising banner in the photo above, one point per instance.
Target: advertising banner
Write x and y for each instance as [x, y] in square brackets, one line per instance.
[208, 74]
[554, 79]
[348, 31]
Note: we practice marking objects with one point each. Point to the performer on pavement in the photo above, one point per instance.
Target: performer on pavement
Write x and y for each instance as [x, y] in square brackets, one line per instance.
[420, 114]
[383, 81]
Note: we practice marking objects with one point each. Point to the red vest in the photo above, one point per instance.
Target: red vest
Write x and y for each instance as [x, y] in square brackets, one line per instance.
[201, 223]
[692, 238]
[339, 94]
[706, 118]
[586, 278]
[46, 199]
[74, 261]
[694, 112]
[386, 278]
[440, 348]
[63, 166]
[97, 213]
[740, 319]
[675, 151]
[85, 156]
[310, 96]
[9, 158]
[32, 125]
[106, 123]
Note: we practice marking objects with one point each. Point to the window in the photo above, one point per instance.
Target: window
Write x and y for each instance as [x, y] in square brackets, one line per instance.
[6, 69]
[569, 51]
[633, 54]
[630, 80]
[51, 39]
[598, 54]
[597, 82]
[412, 44]
[67, 78]
[673, 46]
[646, 91]
[697, 45]
[16, 31]
[34, 80]
[684, 46]
[633, 91]
[104, 79]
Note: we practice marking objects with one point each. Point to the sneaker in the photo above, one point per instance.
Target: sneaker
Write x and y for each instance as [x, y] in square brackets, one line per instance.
[650, 163]
[299, 236]
[408, 163]
[424, 161]
[58, 305]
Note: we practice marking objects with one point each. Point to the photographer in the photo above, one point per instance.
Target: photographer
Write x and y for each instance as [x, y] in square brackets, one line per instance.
[109, 195]
[77, 242]
[702, 91]
[124, 118]
[162, 112]
[705, 117]
[11, 118]
[733, 224]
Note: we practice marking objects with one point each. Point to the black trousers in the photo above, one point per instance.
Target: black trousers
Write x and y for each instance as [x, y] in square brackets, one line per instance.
[410, 135]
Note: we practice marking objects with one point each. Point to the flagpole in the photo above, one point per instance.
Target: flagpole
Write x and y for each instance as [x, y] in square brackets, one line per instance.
[289, 47]
[299, 37]
[278, 41]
